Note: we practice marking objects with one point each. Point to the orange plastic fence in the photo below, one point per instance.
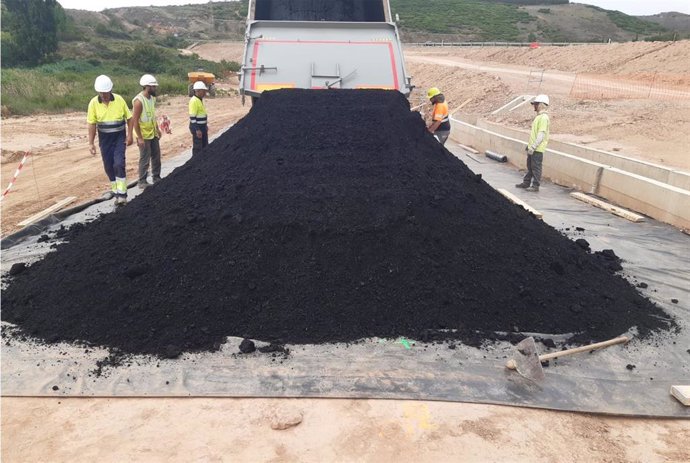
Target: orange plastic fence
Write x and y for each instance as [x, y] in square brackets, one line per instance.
[653, 86]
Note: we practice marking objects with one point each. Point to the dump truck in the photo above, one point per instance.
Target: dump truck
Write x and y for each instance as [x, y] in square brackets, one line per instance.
[200, 76]
[321, 44]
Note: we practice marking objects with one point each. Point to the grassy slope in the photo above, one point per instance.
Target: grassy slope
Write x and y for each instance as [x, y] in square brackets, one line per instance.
[68, 85]
[675, 21]
[479, 20]
[102, 43]
[677, 24]
[464, 20]
[452, 19]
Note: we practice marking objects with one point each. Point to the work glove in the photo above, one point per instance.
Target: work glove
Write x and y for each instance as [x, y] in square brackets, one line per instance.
[530, 151]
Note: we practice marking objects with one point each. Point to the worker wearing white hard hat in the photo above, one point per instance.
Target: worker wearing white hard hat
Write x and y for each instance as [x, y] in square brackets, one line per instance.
[109, 115]
[198, 119]
[147, 131]
[538, 140]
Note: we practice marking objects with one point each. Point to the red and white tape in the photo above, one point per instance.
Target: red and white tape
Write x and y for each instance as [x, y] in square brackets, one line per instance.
[16, 174]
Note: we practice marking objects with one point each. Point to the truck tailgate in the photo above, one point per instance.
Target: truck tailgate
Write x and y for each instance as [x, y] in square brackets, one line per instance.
[304, 54]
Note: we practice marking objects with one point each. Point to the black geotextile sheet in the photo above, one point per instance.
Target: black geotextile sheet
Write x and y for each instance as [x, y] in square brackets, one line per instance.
[629, 380]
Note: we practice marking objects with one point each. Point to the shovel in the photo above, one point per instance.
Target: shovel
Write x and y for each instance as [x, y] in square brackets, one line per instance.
[528, 363]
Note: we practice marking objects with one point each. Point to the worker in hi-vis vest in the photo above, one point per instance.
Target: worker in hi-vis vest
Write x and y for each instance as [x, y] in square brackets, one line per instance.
[146, 128]
[538, 140]
[109, 114]
[198, 119]
[440, 119]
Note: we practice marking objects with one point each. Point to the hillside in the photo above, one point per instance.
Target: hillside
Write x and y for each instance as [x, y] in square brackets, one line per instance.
[120, 43]
[420, 21]
[455, 20]
[677, 23]
[671, 20]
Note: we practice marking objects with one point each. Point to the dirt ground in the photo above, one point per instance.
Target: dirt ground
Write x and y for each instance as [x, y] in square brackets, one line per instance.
[61, 165]
[211, 429]
[205, 429]
[647, 129]
[620, 58]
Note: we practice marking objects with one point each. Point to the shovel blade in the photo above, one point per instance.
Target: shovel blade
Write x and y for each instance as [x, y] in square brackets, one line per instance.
[527, 360]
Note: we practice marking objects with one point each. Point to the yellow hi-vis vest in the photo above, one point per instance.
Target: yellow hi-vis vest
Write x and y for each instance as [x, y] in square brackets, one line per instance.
[540, 124]
[110, 118]
[147, 119]
[197, 113]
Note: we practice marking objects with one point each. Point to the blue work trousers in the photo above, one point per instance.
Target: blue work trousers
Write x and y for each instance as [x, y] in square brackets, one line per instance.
[113, 153]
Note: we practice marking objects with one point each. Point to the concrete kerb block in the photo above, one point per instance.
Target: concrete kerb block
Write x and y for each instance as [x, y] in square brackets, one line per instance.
[679, 179]
[561, 168]
[572, 172]
[662, 201]
[673, 177]
[655, 199]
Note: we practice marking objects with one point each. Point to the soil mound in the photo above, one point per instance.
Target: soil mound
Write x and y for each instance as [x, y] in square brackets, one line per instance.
[322, 216]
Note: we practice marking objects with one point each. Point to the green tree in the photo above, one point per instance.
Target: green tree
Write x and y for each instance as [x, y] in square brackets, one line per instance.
[32, 30]
[66, 28]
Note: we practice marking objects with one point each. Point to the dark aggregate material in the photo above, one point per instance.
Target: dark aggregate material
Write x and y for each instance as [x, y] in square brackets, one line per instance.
[609, 259]
[247, 346]
[17, 268]
[322, 216]
[583, 243]
[320, 10]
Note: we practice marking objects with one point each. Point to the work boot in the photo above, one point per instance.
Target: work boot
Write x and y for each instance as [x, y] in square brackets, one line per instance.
[522, 185]
[156, 179]
[120, 200]
[143, 184]
[533, 189]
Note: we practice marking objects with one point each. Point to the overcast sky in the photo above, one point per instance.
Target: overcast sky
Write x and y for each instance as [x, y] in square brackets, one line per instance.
[634, 7]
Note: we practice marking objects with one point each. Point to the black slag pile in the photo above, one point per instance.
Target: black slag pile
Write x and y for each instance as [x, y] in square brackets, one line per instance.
[322, 216]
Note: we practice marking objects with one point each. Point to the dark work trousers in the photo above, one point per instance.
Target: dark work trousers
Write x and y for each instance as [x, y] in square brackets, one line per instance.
[442, 136]
[150, 152]
[113, 153]
[199, 143]
[534, 162]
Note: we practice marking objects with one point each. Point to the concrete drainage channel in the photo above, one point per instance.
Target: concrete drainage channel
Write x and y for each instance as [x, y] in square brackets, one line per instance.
[656, 191]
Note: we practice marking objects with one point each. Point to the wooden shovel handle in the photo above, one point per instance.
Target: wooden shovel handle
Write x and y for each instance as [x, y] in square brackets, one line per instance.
[575, 350]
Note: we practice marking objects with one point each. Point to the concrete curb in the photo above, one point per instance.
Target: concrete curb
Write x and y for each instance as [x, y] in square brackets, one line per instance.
[664, 174]
[653, 190]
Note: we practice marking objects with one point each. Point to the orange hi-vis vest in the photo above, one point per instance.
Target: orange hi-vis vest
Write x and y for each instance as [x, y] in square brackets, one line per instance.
[440, 113]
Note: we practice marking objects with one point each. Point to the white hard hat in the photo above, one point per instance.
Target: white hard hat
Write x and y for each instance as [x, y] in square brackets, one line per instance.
[148, 79]
[103, 84]
[541, 99]
[199, 85]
